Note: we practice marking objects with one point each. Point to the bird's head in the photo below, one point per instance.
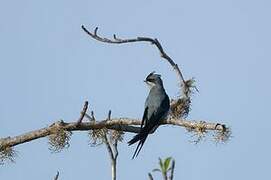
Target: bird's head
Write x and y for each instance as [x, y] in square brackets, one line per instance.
[153, 80]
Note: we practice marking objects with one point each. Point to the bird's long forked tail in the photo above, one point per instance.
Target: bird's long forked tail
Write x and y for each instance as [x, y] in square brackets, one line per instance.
[141, 137]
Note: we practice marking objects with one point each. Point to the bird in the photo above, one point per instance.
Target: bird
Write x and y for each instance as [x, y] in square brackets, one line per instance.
[157, 106]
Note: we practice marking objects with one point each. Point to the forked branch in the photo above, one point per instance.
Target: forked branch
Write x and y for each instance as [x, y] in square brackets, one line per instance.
[112, 148]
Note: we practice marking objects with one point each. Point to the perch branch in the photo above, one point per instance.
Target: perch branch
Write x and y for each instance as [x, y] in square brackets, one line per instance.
[118, 124]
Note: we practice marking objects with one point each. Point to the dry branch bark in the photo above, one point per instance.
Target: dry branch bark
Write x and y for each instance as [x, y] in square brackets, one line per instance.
[118, 124]
[154, 41]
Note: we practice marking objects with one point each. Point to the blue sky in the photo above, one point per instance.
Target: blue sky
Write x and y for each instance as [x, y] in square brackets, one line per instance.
[49, 67]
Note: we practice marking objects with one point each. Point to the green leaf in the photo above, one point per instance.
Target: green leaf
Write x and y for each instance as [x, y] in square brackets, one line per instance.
[166, 163]
[161, 164]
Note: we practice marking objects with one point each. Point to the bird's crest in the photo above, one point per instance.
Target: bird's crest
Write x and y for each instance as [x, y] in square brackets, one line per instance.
[152, 75]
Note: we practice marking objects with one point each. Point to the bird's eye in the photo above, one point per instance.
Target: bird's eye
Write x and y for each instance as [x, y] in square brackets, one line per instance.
[150, 80]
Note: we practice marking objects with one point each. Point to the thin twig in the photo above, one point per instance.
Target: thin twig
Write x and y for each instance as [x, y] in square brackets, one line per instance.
[112, 157]
[115, 146]
[83, 112]
[150, 176]
[172, 170]
[109, 148]
[56, 176]
[154, 41]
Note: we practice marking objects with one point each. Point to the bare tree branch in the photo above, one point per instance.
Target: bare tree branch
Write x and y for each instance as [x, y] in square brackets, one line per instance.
[112, 157]
[154, 41]
[115, 147]
[118, 124]
[112, 153]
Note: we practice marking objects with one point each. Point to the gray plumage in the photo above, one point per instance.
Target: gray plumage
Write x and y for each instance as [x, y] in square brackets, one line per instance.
[156, 109]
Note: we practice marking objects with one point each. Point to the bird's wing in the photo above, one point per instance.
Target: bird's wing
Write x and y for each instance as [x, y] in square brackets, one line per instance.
[150, 123]
[145, 116]
[158, 114]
